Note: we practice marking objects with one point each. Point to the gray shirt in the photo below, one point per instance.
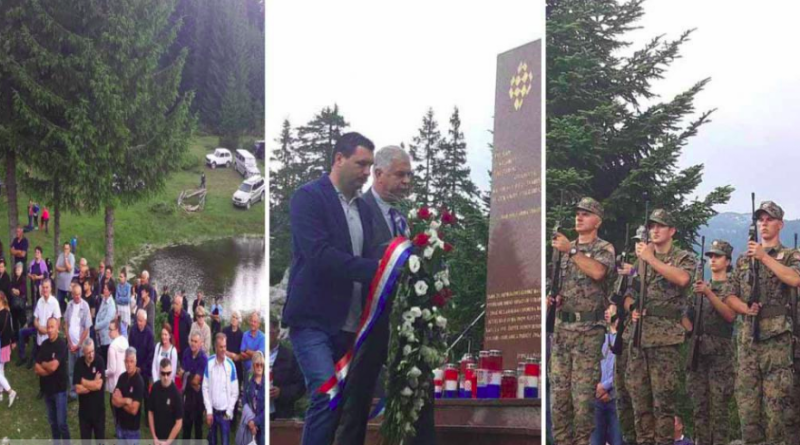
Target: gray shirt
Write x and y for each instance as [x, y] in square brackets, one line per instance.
[353, 218]
[385, 208]
[64, 279]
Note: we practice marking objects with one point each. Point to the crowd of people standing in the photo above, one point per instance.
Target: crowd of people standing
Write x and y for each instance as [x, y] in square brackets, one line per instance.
[92, 333]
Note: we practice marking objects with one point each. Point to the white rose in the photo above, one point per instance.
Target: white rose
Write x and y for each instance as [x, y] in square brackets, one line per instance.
[426, 314]
[421, 288]
[441, 322]
[428, 253]
[439, 286]
[408, 317]
[406, 349]
[439, 243]
[413, 263]
[414, 373]
[416, 311]
[433, 237]
[406, 392]
[445, 280]
[412, 214]
[435, 224]
[434, 212]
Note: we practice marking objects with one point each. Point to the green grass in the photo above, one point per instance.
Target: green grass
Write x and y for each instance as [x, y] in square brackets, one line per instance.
[135, 227]
[138, 224]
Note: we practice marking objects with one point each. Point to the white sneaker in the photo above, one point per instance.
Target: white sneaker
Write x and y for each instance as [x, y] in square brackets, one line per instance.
[11, 397]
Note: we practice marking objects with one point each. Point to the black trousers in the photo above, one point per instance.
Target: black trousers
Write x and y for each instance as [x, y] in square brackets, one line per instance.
[193, 413]
[357, 398]
[92, 428]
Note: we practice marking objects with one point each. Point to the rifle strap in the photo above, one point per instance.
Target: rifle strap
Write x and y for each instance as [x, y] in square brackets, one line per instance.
[664, 312]
[588, 316]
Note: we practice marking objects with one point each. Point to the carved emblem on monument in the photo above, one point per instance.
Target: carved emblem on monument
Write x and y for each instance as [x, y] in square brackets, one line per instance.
[520, 85]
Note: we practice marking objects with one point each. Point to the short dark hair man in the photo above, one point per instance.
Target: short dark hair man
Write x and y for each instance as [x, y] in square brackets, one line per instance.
[165, 406]
[330, 226]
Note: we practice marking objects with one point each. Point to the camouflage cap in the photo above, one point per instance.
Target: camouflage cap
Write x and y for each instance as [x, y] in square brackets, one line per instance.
[661, 216]
[720, 247]
[771, 209]
[590, 205]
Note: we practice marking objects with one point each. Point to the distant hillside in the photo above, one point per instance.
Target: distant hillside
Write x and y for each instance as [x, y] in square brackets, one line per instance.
[733, 227]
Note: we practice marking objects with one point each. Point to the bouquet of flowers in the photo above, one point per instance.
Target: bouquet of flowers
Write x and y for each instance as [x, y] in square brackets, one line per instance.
[417, 345]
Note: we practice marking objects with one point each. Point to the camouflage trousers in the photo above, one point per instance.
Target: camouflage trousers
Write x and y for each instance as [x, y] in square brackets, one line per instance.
[763, 388]
[651, 378]
[793, 421]
[624, 406]
[575, 373]
[711, 388]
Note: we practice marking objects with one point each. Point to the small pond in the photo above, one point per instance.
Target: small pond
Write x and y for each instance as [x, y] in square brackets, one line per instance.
[233, 268]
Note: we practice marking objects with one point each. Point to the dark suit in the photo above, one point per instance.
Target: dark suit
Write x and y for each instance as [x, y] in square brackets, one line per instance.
[320, 292]
[323, 265]
[286, 375]
[366, 365]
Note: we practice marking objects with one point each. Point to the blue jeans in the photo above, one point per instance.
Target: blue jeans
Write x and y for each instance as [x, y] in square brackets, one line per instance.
[127, 436]
[57, 415]
[316, 352]
[222, 425]
[24, 334]
[73, 357]
[606, 424]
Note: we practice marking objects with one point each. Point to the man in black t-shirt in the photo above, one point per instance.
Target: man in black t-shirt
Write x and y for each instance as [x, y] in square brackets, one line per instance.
[90, 381]
[51, 367]
[127, 399]
[165, 406]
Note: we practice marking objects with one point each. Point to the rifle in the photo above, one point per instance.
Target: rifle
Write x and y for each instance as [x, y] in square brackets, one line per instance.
[697, 325]
[555, 283]
[755, 292]
[620, 289]
[637, 330]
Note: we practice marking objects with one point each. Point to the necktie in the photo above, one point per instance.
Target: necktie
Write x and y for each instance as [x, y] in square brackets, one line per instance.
[399, 224]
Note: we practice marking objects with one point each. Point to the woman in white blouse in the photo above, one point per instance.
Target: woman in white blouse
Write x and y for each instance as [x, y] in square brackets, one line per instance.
[165, 349]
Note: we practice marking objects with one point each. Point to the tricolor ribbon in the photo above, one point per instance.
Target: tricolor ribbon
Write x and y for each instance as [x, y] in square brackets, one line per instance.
[380, 290]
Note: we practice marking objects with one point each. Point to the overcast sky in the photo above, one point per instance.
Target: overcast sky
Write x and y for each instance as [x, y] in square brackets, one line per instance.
[385, 64]
[750, 53]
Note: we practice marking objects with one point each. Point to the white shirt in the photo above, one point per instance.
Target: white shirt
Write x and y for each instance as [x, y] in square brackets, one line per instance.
[220, 386]
[44, 311]
[159, 354]
[75, 325]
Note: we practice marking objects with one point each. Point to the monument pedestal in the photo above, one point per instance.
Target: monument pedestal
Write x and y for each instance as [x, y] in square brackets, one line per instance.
[458, 422]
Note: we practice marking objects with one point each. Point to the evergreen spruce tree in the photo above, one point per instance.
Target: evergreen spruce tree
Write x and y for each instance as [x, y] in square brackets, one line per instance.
[452, 181]
[286, 176]
[317, 139]
[97, 102]
[424, 149]
[607, 136]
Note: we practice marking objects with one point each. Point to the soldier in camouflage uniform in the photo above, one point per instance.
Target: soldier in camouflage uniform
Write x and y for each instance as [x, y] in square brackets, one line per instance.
[764, 377]
[651, 375]
[711, 384]
[587, 264]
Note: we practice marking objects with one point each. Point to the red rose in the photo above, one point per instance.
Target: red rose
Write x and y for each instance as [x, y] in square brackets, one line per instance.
[447, 293]
[448, 247]
[421, 240]
[439, 300]
[448, 218]
[424, 213]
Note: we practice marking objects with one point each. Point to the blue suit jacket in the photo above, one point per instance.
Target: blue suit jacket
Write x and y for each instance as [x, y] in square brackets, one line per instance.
[323, 265]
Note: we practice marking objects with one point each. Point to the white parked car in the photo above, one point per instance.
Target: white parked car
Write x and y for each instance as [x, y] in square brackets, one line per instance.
[246, 164]
[250, 192]
[220, 157]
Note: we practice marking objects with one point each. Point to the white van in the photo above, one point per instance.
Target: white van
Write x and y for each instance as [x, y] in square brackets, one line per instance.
[246, 163]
